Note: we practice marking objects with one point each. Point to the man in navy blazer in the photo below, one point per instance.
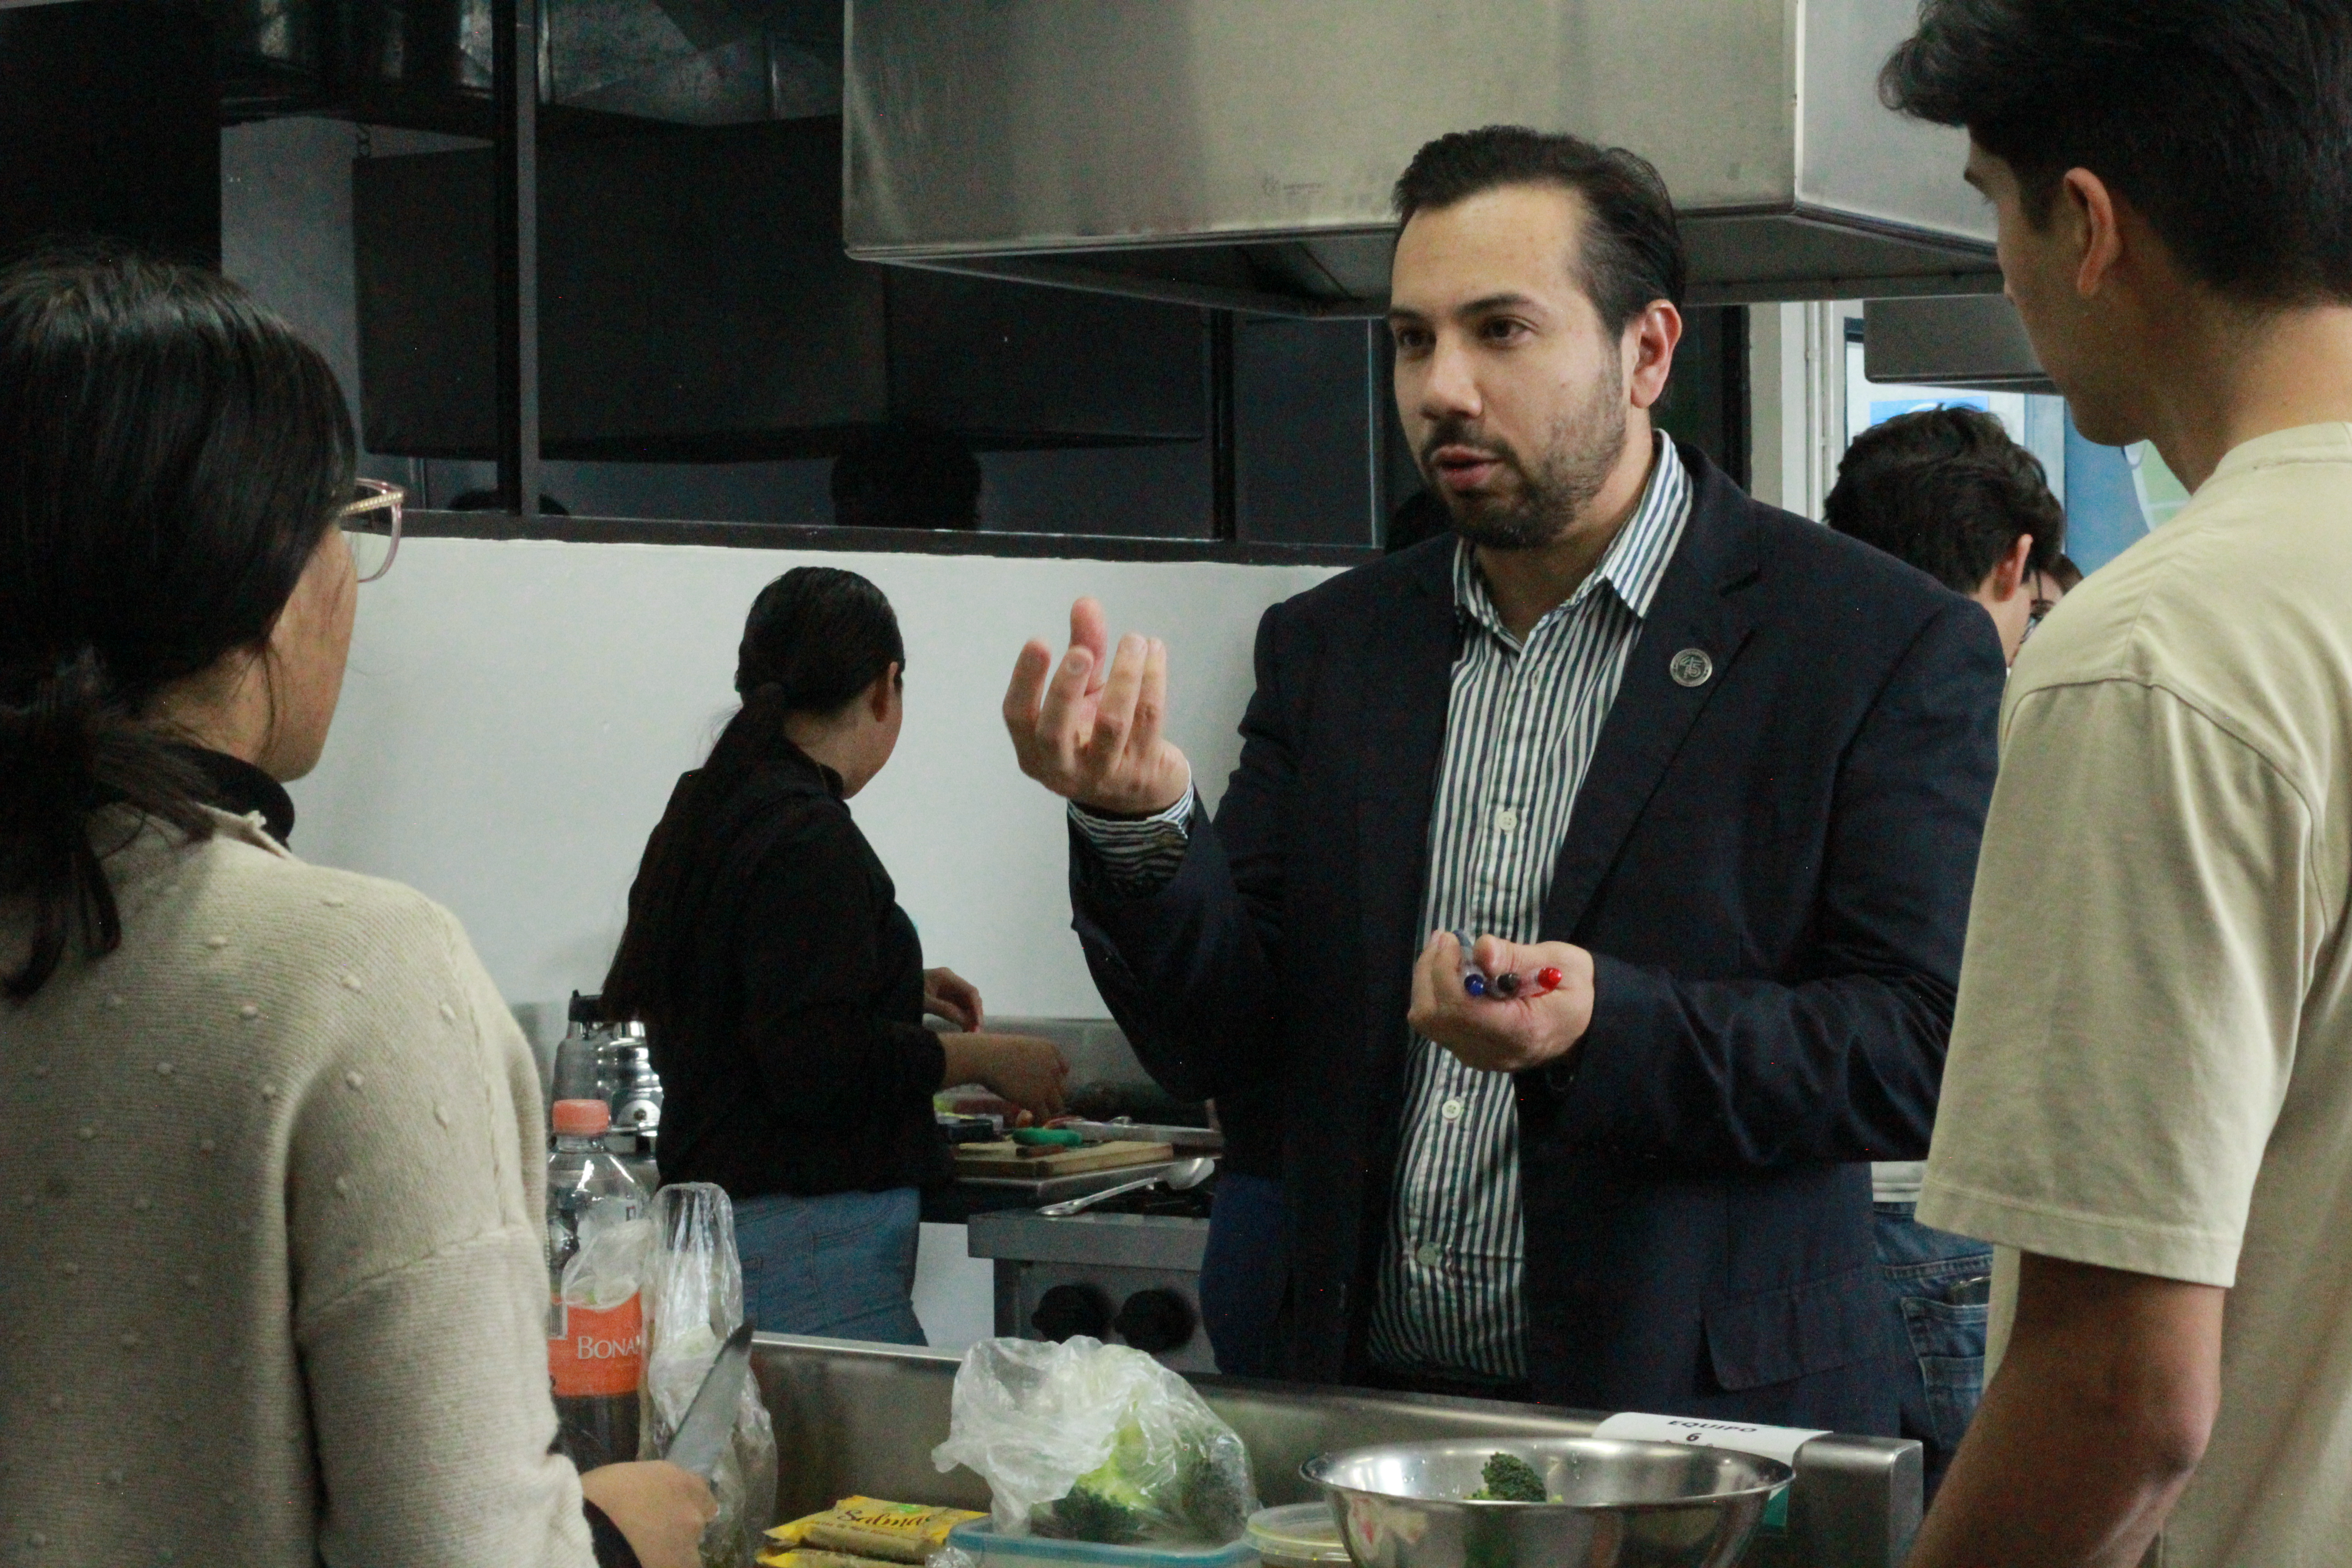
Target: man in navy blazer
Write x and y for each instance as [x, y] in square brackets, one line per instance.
[1723, 769]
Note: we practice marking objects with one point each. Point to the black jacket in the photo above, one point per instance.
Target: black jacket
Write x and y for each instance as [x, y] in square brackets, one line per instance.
[1772, 868]
[801, 1064]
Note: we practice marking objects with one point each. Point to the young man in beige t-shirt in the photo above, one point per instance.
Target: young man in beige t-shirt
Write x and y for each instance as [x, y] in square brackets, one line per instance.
[2148, 1098]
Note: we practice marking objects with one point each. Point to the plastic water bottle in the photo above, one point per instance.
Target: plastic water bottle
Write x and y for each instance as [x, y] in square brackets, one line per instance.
[598, 1236]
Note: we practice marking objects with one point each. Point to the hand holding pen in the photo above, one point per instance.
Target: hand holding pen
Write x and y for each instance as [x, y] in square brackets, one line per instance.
[1502, 1006]
[1507, 985]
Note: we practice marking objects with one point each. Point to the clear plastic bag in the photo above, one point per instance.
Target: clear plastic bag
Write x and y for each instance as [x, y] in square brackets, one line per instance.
[1096, 1442]
[693, 1300]
[610, 1265]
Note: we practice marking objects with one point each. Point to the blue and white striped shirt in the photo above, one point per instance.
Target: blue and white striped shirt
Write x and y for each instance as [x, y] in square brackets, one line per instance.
[1521, 724]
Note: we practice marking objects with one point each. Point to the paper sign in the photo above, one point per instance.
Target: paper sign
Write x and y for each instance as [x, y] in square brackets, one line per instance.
[1779, 1443]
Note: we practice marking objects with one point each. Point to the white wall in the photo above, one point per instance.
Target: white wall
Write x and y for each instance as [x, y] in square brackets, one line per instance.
[517, 713]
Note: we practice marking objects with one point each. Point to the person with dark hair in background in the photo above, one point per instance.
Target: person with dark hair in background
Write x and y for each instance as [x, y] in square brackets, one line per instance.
[2149, 1105]
[274, 1282]
[1948, 491]
[783, 988]
[906, 476]
[1719, 768]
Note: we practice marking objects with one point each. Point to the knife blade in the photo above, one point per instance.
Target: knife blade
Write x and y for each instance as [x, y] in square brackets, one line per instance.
[709, 1420]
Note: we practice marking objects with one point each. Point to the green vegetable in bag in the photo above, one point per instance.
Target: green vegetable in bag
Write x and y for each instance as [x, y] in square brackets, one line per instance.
[1092, 1442]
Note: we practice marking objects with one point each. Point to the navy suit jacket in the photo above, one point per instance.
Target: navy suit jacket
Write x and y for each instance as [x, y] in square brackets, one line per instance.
[1772, 870]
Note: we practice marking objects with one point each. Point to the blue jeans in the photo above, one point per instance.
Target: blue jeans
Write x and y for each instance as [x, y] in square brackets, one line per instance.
[1244, 1275]
[1940, 1285]
[841, 1266]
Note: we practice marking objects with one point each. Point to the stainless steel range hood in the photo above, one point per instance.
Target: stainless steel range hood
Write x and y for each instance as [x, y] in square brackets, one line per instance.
[1976, 342]
[1240, 152]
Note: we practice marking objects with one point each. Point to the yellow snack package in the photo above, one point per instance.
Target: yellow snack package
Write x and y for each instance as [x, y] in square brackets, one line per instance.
[868, 1527]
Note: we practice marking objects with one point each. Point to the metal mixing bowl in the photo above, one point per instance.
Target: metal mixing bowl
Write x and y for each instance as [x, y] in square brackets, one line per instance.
[1623, 1505]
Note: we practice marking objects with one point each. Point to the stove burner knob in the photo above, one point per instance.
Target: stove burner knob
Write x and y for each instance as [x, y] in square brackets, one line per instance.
[1067, 1310]
[1155, 1321]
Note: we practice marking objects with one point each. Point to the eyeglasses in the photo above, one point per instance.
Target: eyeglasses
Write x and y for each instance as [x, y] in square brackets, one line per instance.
[2042, 602]
[371, 525]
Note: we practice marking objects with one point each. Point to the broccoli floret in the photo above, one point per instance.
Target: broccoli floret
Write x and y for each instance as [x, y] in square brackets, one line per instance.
[1510, 1479]
[1087, 1514]
[1189, 1483]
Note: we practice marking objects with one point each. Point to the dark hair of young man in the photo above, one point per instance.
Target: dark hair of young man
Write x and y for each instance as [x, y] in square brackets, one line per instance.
[2222, 122]
[1632, 248]
[1946, 491]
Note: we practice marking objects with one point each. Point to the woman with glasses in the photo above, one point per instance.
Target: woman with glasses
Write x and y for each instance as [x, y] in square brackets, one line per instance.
[271, 1279]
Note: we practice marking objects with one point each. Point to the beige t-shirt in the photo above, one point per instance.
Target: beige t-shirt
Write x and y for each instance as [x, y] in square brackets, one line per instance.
[271, 1282]
[2151, 1065]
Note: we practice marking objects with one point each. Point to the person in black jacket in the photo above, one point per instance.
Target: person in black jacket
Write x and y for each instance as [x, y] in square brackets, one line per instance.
[1647, 1189]
[783, 988]
[1946, 490]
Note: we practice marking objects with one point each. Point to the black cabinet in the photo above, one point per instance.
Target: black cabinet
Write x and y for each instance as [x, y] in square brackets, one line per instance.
[109, 116]
[695, 305]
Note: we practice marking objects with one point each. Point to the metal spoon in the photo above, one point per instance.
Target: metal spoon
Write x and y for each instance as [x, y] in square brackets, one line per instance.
[1181, 1177]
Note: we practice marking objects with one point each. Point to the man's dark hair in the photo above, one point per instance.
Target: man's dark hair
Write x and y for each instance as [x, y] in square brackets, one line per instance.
[2227, 123]
[1948, 491]
[906, 476]
[1633, 247]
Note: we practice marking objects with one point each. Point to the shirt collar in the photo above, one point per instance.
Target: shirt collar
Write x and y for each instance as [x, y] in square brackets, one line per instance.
[1632, 566]
[800, 762]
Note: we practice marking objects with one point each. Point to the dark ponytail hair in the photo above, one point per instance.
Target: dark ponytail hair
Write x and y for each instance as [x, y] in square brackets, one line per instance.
[815, 640]
[171, 454]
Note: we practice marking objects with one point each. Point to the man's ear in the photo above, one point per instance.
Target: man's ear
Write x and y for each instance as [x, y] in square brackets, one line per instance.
[2091, 206]
[1648, 348]
[878, 696]
[2008, 578]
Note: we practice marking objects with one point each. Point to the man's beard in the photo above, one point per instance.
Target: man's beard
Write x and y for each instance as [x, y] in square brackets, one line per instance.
[1585, 446]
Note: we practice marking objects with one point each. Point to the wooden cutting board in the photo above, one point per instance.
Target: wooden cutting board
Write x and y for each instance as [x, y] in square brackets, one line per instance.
[1013, 1160]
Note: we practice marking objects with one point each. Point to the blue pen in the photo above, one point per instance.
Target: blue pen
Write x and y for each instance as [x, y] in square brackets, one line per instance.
[1473, 979]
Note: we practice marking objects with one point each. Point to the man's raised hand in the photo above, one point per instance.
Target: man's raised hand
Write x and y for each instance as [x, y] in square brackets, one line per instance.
[1089, 728]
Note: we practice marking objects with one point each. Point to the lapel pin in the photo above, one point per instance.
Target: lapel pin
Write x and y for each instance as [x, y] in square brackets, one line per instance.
[1692, 668]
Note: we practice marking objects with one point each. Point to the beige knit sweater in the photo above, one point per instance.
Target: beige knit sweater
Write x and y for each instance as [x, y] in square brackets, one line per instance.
[271, 1289]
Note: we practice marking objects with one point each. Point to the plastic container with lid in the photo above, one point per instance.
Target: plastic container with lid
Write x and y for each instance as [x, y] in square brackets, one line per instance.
[995, 1551]
[1297, 1535]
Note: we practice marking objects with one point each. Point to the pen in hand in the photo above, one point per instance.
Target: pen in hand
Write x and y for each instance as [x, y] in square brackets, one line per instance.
[1507, 986]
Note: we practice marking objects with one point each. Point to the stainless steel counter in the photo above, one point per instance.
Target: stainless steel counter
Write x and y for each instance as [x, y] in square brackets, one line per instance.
[854, 1418]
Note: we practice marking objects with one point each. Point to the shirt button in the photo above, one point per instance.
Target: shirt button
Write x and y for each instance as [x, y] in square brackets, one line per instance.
[1451, 1111]
[1507, 820]
[1428, 1254]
